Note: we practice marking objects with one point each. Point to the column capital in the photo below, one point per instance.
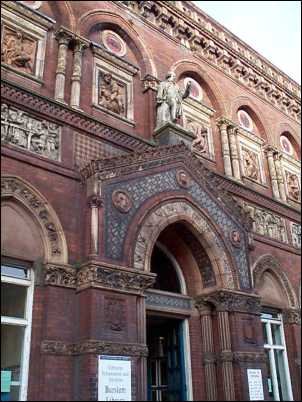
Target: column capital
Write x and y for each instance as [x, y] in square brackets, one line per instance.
[79, 44]
[95, 201]
[226, 300]
[203, 306]
[292, 316]
[63, 36]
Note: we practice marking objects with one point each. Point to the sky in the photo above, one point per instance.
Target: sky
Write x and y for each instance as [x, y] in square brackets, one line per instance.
[272, 28]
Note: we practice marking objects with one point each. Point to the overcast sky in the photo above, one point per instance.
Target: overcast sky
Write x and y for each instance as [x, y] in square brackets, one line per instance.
[273, 28]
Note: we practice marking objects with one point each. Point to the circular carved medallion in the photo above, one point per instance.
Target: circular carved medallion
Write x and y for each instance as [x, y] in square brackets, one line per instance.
[245, 120]
[286, 145]
[196, 91]
[235, 238]
[121, 201]
[183, 179]
[114, 43]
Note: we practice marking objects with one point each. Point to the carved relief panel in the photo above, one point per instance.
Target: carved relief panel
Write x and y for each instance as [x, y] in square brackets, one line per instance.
[115, 314]
[293, 186]
[18, 50]
[113, 87]
[251, 157]
[18, 128]
[266, 223]
[197, 120]
[296, 234]
[112, 94]
[23, 43]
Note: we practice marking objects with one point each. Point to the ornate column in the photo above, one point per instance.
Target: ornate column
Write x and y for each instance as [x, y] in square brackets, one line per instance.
[223, 124]
[277, 158]
[94, 203]
[234, 152]
[209, 359]
[79, 46]
[272, 170]
[63, 39]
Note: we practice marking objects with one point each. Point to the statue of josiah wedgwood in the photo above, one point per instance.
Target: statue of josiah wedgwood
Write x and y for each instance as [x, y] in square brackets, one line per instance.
[169, 100]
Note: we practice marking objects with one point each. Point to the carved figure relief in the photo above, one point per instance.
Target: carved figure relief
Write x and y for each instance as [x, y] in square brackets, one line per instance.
[20, 129]
[115, 314]
[267, 223]
[18, 50]
[112, 94]
[200, 144]
[251, 164]
[235, 238]
[296, 234]
[121, 201]
[293, 186]
[183, 179]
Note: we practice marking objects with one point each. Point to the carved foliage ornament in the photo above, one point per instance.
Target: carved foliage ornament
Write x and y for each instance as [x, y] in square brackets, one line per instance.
[230, 301]
[18, 128]
[93, 347]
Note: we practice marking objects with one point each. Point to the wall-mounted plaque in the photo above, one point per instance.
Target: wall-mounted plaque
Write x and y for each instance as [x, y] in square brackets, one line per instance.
[254, 378]
[114, 378]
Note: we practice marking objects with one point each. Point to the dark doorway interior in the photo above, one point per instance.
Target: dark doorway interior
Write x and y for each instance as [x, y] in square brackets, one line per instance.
[166, 374]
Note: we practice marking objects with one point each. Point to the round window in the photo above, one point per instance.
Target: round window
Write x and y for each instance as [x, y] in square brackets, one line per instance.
[245, 120]
[114, 43]
[286, 145]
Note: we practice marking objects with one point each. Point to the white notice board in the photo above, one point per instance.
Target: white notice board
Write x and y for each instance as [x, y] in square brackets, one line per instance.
[114, 378]
[254, 378]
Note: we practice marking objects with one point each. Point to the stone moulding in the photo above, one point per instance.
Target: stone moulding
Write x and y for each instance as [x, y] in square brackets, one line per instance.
[50, 347]
[222, 51]
[98, 275]
[67, 116]
[225, 300]
[236, 357]
[121, 279]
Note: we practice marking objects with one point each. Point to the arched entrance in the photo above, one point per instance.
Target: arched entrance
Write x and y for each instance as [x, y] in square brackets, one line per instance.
[183, 270]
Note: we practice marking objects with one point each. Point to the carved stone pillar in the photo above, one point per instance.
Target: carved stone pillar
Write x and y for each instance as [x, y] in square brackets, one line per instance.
[76, 74]
[209, 359]
[226, 354]
[277, 158]
[222, 124]
[63, 39]
[234, 153]
[94, 203]
[272, 170]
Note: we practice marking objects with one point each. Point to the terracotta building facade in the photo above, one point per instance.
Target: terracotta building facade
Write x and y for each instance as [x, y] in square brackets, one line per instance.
[141, 260]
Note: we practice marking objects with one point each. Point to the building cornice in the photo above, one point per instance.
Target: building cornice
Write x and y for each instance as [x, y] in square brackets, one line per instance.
[221, 49]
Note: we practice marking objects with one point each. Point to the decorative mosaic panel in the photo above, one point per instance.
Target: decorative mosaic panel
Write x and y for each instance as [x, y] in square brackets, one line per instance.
[87, 149]
[20, 129]
[117, 224]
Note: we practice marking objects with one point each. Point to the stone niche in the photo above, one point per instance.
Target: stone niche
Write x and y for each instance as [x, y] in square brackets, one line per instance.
[20, 129]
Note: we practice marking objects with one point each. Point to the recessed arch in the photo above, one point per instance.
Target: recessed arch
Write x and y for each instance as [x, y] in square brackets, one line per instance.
[246, 104]
[188, 67]
[16, 190]
[268, 264]
[166, 214]
[93, 18]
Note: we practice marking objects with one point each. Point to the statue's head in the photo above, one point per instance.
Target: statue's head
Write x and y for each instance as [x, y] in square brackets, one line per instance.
[171, 76]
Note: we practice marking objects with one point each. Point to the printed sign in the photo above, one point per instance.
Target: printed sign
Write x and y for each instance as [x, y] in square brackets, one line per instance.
[6, 379]
[254, 377]
[114, 381]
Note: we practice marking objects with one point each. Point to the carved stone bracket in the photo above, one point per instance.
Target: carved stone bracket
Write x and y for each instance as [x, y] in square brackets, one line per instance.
[225, 300]
[292, 316]
[122, 279]
[93, 347]
[60, 275]
[249, 357]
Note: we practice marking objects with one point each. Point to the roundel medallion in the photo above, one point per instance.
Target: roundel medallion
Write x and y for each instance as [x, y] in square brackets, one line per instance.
[114, 43]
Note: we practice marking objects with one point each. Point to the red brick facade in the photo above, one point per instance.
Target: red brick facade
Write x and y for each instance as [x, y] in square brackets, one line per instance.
[100, 192]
